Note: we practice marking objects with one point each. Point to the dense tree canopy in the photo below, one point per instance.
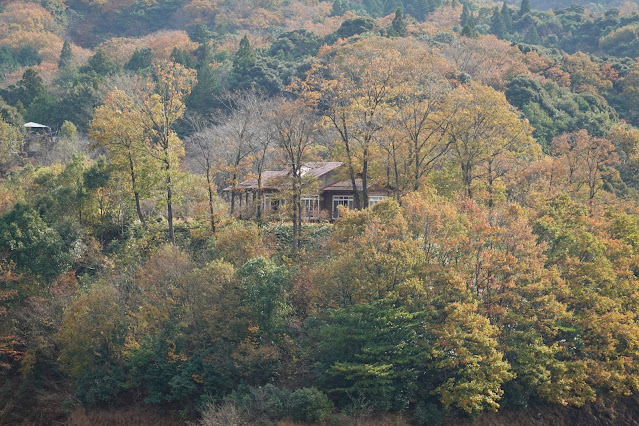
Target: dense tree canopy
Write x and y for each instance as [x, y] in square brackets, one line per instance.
[500, 270]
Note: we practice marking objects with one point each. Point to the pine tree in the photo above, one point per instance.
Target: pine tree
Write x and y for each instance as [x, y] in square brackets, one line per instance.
[339, 8]
[391, 6]
[65, 55]
[399, 26]
[201, 34]
[420, 9]
[466, 14]
[469, 29]
[507, 16]
[532, 36]
[141, 58]
[245, 56]
[524, 8]
[374, 7]
[497, 25]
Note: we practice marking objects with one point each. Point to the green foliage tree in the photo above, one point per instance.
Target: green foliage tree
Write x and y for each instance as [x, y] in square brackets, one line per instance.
[532, 36]
[33, 246]
[524, 8]
[375, 351]
[163, 107]
[497, 25]
[10, 145]
[245, 56]
[339, 8]
[101, 64]
[265, 287]
[507, 16]
[140, 59]
[398, 27]
[65, 55]
[475, 369]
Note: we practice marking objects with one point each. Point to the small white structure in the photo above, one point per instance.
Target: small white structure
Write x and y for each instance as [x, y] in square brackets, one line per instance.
[37, 138]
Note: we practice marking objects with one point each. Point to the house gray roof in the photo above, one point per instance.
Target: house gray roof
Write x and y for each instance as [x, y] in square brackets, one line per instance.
[314, 169]
[344, 185]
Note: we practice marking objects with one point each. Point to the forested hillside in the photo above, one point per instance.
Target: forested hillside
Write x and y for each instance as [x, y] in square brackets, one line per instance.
[496, 278]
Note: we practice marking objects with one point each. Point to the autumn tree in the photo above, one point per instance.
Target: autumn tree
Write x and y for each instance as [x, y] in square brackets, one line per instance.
[202, 148]
[419, 121]
[586, 160]
[295, 127]
[249, 135]
[158, 114]
[117, 127]
[354, 102]
[31, 244]
[10, 145]
[488, 138]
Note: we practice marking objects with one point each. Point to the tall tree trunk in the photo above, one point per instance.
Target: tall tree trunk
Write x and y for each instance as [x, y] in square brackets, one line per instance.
[259, 196]
[365, 180]
[468, 180]
[416, 183]
[351, 170]
[169, 201]
[299, 209]
[136, 194]
[296, 201]
[211, 210]
[169, 210]
[491, 187]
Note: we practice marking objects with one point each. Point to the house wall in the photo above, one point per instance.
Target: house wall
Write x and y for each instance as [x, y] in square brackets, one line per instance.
[326, 198]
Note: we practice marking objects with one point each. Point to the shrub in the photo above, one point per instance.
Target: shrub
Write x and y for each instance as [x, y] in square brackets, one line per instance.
[262, 402]
[310, 405]
[227, 414]
[428, 414]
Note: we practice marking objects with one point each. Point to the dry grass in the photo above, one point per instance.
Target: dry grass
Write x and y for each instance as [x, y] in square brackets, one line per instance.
[138, 416]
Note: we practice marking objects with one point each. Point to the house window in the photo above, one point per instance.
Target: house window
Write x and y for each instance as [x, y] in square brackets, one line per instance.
[374, 199]
[310, 207]
[270, 203]
[341, 200]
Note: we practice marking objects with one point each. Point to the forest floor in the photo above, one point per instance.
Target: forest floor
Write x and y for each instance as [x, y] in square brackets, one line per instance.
[609, 412]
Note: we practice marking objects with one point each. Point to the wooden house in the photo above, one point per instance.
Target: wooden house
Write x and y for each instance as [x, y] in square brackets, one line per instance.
[325, 192]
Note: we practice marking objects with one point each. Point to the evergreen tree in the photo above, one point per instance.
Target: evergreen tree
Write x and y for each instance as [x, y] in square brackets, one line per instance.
[201, 97]
[421, 8]
[469, 29]
[245, 55]
[507, 16]
[532, 36]
[201, 34]
[375, 8]
[399, 26]
[497, 25]
[524, 8]
[466, 14]
[101, 63]
[31, 86]
[391, 6]
[28, 56]
[182, 57]
[140, 59]
[65, 55]
[339, 8]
